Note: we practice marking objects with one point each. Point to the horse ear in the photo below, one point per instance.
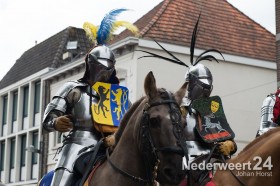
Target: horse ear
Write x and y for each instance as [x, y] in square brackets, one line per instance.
[180, 94]
[150, 85]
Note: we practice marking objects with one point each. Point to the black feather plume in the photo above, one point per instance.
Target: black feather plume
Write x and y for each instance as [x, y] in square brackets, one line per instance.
[202, 56]
[177, 61]
[162, 57]
[194, 34]
[168, 52]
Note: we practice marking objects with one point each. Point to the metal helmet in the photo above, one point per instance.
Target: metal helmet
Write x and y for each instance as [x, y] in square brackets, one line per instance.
[100, 64]
[200, 81]
[100, 61]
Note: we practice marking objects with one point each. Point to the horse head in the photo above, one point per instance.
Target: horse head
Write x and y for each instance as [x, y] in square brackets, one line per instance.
[161, 132]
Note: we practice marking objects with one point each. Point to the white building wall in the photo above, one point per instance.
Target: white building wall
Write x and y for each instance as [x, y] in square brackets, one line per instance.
[22, 126]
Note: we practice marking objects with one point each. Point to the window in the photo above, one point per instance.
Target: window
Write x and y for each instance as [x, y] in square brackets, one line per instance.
[15, 105]
[35, 144]
[22, 156]
[12, 160]
[5, 107]
[4, 113]
[59, 137]
[23, 151]
[25, 101]
[37, 97]
[2, 154]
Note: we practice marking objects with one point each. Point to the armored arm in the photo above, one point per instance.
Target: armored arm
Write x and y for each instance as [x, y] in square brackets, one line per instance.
[50, 119]
[57, 107]
[61, 105]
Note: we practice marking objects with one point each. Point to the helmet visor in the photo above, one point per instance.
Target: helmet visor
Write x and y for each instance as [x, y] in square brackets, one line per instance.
[105, 62]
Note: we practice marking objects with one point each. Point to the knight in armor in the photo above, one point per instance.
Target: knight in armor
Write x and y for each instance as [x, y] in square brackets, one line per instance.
[70, 108]
[200, 87]
[206, 131]
[216, 135]
[270, 113]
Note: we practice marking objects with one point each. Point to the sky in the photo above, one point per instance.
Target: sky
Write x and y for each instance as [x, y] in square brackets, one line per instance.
[25, 22]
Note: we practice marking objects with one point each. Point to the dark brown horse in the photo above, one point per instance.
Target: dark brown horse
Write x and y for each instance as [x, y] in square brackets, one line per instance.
[258, 164]
[148, 142]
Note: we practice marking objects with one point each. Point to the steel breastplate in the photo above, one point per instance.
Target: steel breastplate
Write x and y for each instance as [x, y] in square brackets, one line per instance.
[267, 112]
[81, 111]
[267, 115]
[194, 144]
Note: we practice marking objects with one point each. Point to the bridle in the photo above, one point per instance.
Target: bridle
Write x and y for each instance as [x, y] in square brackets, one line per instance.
[147, 146]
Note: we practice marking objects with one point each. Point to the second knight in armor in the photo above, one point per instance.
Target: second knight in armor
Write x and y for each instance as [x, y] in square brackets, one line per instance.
[200, 87]
[207, 128]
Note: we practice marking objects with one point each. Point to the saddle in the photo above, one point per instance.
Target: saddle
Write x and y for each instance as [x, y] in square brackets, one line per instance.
[89, 158]
[87, 161]
[202, 176]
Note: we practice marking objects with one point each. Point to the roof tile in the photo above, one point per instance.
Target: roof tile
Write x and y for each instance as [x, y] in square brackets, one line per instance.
[221, 26]
[46, 54]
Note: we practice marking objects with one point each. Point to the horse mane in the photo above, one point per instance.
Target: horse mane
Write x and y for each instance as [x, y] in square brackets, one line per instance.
[125, 119]
[256, 140]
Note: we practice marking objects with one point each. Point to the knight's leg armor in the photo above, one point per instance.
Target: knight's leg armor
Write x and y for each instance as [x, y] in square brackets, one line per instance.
[64, 172]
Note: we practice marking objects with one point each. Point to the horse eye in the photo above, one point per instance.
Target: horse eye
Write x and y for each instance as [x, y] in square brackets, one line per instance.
[155, 122]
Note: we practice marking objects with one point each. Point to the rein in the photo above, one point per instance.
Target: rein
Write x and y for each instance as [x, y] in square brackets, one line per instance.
[149, 150]
[134, 178]
[222, 159]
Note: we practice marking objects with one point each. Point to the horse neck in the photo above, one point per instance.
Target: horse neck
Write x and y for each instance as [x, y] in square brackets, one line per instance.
[126, 154]
[258, 151]
[259, 140]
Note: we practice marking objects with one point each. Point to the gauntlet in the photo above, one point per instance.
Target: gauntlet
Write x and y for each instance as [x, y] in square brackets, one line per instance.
[227, 147]
[110, 140]
[63, 123]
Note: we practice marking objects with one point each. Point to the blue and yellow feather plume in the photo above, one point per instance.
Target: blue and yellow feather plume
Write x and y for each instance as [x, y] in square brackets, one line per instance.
[105, 27]
[100, 35]
[91, 31]
[129, 26]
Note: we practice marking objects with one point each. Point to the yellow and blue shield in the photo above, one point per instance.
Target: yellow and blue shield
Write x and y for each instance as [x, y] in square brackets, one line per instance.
[112, 105]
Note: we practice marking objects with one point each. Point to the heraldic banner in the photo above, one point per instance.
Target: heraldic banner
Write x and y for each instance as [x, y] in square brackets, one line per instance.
[212, 125]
